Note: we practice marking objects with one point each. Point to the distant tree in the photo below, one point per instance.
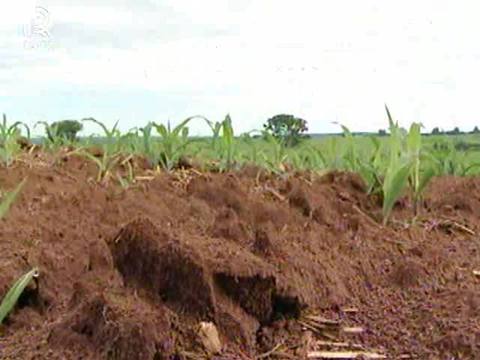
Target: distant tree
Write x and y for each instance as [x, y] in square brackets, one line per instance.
[65, 129]
[455, 131]
[382, 132]
[436, 131]
[286, 127]
[475, 130]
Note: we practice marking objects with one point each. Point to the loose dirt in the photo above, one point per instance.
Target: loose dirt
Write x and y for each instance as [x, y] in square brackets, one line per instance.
[283, 266]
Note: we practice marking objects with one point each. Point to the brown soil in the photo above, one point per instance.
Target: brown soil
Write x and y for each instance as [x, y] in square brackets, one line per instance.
[130, 274]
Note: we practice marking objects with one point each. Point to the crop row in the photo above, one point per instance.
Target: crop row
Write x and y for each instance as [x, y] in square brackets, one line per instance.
[391, 166]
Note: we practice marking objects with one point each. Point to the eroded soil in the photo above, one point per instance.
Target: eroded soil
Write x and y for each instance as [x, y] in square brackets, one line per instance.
[130, 274]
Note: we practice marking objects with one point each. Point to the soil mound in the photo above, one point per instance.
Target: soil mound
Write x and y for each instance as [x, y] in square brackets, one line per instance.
[279, 264]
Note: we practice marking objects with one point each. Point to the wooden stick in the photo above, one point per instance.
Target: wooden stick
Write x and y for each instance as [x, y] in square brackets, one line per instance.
[353, 330]
[338, 344]
[269, 352]
[344, 355]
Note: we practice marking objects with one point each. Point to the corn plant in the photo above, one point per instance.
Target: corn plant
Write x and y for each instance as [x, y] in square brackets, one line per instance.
[62, 132]
[404, 166]
[129, 179]
[418, 179]
[315, 159]
[252, 155]
[130, 141]
[53, 140]
[173, 143]
[12, 296]
[350, 156]
[111, 155]
[112, 136]
[372, 169]
[7, 131]
[448, 160]
[216, 128]
[275, 161]
[10, 299]
[398, 169]
[227, 146]
[147, 144]
[169, 147]
[9, 135]
[332, 154]
[105, 163]
[300, 160]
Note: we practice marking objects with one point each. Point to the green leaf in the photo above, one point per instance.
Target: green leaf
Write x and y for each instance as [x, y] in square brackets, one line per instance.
[12, 296]
[9, 198]
[180, 127]
[96, 160]
[390, 119]
[161, 130]
[185, 133]
[395, 182]
[106, 131]
[425, 178]
[469, 167]
[414, 139]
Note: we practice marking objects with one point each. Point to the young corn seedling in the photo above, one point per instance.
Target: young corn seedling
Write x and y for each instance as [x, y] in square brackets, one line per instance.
[53, 140]
[130, 142]
[253, 154]
[216, 128]
[418, 179]
[112, 136]
[448, 160]
[315, 159]
[105, 164]
[173, 143]
[227, 147]
[7, 131]
[305, 158]
[129, 179]
[9, 136]
[276, 160]
[397, 172]
[372, 169]
[332, 154]
[12, 296]
[148, 145]
[350, 156]
[111, 155]
[300, 160]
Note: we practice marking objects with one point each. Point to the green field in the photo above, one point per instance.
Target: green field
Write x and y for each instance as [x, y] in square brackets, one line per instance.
[448, 154]
[400, 160]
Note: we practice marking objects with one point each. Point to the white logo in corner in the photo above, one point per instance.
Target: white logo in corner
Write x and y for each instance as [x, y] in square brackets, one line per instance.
[37, 31]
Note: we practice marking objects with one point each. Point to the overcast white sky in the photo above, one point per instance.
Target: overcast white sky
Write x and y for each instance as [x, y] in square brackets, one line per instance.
[324, 61]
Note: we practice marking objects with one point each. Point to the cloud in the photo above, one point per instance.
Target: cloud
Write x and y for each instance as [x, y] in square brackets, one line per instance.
[320, 60]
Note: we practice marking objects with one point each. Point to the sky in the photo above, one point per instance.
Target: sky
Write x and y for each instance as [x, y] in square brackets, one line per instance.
[164, 60]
